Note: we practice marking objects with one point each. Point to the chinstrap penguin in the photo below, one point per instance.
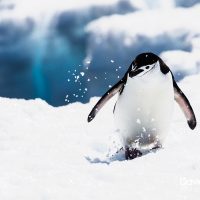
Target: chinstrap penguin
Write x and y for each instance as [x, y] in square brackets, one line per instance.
[144, 107]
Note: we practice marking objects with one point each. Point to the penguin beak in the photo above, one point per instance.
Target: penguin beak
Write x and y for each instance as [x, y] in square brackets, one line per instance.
[135, 72]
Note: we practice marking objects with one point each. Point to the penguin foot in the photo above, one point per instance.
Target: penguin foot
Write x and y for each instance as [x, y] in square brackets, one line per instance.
[157, 147]
[132, 153]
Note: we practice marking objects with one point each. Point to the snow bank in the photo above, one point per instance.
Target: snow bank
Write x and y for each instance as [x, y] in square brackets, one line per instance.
[182, 63]
[22, 8]
[52, 153]
[143, 31]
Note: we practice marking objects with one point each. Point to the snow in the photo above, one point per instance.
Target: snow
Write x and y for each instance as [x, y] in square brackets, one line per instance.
[154, 26]
[167, 32]
[33, 8]
[169, 29]
[182, 63]
[82, 73]
[53, 153]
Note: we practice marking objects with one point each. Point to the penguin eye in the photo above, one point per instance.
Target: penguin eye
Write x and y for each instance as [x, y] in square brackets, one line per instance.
[133, 67]
[147, 67]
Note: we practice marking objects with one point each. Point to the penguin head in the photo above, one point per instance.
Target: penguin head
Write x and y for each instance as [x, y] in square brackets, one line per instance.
[145, 63]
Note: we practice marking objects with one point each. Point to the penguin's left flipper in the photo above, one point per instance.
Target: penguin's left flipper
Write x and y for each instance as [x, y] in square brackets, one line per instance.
[109, 94]
[185, 106]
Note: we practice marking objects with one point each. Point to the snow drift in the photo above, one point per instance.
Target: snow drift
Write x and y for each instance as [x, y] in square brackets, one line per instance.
[52, 153]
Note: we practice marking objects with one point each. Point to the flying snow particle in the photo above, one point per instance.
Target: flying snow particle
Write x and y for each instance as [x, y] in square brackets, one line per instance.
[138, 121]
[152, 119]
[144, 129]
[112, 61]
[110, 86]
[82, 73]
[67, 100]
[88, 80]
[88, 61]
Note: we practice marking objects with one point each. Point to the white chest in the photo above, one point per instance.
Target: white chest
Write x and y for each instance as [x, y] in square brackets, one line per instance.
[144, 109]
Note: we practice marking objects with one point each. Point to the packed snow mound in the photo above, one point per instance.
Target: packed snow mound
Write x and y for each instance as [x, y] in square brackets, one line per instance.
[53, 153]
[23, 8]
[182, 63]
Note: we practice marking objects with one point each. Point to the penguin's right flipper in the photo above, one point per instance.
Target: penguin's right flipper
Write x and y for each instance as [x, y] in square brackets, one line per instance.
[109, 94]
[184, 104]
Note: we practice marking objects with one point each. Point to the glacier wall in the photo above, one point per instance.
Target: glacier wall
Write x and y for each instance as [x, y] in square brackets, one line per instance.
[72, 50]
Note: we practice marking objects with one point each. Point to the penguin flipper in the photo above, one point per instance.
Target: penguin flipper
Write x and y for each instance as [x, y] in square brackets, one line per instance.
[109, 94]
[185, 106]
